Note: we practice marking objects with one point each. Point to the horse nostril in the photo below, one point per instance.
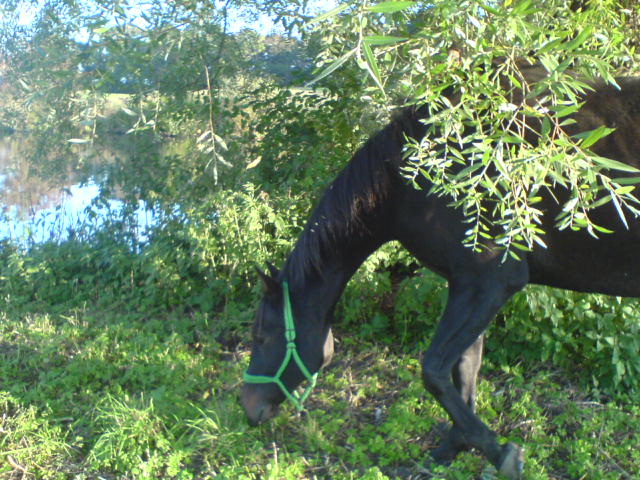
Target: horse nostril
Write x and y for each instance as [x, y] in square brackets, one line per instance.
[261, 414]
[252, 404]
[256, 408]
[254, 421]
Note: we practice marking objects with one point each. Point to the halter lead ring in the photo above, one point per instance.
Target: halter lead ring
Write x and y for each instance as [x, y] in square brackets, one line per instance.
[290, 336]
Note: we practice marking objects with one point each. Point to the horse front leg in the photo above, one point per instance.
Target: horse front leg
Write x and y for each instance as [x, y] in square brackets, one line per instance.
[473, 302]
[465, 376]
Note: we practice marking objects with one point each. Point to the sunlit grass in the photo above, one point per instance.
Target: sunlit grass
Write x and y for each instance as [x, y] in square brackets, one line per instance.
[128, 396]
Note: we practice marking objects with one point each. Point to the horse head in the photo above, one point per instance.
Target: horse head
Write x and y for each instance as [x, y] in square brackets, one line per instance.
[291, 341]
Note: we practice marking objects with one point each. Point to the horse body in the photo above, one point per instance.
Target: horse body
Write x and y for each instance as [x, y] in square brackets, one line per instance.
[573, 260]
[370, 203]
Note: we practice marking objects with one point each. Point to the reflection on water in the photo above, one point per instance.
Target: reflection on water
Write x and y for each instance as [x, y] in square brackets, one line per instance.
[20, 192]
[35, 210]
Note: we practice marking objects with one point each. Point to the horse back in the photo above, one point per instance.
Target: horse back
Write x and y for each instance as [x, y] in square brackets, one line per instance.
[575, 260]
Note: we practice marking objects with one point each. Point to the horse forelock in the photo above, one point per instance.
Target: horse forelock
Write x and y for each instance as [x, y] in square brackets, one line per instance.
[358, 190]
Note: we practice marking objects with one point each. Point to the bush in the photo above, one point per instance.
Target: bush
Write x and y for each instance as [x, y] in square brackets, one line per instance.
[70, 273]
[204, 257]
[202, 260]
[595, 336]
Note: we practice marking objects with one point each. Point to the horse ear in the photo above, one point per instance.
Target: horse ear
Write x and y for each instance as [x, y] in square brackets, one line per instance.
[269, 284]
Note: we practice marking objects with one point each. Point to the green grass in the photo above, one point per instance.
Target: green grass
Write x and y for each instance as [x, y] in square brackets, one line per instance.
[91, 395]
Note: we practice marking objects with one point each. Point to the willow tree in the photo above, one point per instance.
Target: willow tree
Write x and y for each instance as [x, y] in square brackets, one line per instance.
[482, 149]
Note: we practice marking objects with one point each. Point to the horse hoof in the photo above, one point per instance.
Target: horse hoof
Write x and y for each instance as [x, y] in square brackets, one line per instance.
[511, 461]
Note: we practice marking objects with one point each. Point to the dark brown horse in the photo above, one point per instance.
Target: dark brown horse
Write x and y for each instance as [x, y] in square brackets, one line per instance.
[370, 203]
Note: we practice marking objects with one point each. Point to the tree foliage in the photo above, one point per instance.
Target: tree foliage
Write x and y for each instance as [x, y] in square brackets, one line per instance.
[175, 78]
[503, 139]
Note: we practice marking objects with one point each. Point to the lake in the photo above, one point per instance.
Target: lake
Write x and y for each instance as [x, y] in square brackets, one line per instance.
[34, 210]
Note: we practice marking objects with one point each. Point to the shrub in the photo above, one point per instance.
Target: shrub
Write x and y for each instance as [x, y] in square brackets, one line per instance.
[596, 336]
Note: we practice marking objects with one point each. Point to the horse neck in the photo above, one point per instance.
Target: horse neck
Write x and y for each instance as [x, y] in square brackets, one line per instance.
[322, 285]
[353, 216]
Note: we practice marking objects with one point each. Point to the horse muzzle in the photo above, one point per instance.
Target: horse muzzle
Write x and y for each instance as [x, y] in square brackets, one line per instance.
[257, 408]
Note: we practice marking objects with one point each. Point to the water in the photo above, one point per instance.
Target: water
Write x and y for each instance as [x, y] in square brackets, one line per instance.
[34, 210]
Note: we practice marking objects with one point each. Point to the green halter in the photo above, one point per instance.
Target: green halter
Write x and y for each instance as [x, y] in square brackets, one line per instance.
[290, 336]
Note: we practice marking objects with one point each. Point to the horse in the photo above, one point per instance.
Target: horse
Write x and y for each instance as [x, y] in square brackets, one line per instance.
[370, 203]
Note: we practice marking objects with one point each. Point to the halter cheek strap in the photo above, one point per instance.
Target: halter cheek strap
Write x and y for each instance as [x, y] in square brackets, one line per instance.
[290, 336]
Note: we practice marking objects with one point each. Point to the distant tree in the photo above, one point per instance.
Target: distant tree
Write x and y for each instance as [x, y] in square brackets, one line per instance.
[178, 63]
[285, 58]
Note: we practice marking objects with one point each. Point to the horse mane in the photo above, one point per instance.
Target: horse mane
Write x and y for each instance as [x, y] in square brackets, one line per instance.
[361, 186]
